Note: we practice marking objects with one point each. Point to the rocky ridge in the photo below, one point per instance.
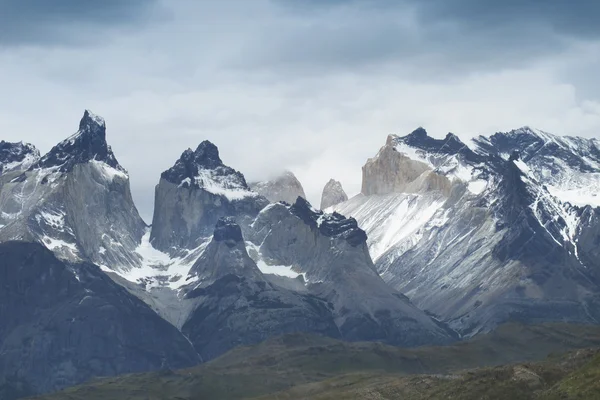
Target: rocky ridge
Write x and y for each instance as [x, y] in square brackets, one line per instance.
[485, 241]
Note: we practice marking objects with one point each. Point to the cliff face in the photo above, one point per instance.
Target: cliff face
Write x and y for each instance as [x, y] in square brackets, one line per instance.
[194, 194]
[234, 304]
[394, 172]
[333, 193]
[331, 253]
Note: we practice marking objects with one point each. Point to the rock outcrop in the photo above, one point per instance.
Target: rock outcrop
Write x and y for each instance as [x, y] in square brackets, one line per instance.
[393, 171]
[333, 194]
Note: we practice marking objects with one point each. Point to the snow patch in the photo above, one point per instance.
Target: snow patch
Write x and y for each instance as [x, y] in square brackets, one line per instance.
[60, 247]
[577, 196]
[24, 164]
[157, 267]
[109, 173]
[477, 186]
[226, 186]
[280, 270]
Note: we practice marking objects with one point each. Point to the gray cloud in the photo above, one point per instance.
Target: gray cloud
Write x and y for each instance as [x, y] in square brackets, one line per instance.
[313, 86]
[569, 17]
[65, 21]
[429, 38]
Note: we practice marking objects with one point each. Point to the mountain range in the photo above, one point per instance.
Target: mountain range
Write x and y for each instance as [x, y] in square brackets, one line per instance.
[446, 240]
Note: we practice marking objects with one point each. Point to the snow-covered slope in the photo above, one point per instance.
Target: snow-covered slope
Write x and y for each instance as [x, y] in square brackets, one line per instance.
[568, 166]
[492, 241]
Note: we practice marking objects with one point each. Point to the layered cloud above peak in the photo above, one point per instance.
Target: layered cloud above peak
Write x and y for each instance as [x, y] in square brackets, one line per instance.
[309, 86]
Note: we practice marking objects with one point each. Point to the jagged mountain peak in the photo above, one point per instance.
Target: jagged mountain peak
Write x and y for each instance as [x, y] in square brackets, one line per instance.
[449, 145]
[207, 155]
[331, 225]
[203, 168]
[87, 144]
[91, 121]
[193, 194]
[18, 155]
[420, 132]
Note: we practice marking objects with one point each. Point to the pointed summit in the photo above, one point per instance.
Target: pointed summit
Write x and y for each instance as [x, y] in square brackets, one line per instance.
[226, 255]
[420, 132]
[91, 121]
[194, 193]
[333, 194]
[207, 155]
[87, 144]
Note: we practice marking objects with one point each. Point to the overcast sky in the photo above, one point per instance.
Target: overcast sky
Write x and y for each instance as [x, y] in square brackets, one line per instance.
[314, 86]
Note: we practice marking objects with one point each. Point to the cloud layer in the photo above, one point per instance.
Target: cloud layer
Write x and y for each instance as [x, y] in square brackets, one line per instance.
[313, 86]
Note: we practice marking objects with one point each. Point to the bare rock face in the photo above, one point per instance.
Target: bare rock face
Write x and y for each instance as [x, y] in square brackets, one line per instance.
[194, 194]
[333, 194]
[330, 251]
[394, 172]
[225, 255]
[75, 200]
[235, 305]
[285, 187]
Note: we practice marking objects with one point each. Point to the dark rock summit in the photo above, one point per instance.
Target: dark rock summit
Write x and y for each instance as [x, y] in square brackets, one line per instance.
[330, 225]
[225, 255]
[450, 145]
[228, 230]
[206, 157]
[194, 194]
[89, 143]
